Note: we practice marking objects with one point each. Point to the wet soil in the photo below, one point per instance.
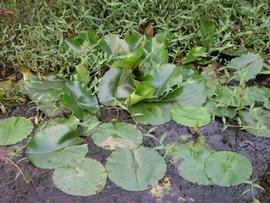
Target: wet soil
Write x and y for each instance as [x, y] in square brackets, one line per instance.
[13, 188]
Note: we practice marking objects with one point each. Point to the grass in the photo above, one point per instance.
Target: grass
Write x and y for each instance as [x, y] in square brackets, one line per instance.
[34, 38]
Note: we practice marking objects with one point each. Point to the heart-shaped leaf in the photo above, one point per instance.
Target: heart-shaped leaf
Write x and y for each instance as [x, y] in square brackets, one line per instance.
[135, 170]
[116, 135]
[228, 168]
[83, 177]
[191, 116]
[14, 130]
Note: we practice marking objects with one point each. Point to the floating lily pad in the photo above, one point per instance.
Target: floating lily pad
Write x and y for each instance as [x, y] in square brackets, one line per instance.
[59, 157]
[194, 171]
[50, 142]
[83, 177]
[191, 116]
[116, 135]
[228, 168]
[14, 130]
[135, 170]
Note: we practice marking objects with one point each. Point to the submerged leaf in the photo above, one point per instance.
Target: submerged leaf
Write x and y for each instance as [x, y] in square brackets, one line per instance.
[14, 130]
[117, 135]
[134, 170]
[83, 177]
[191, 116]
[228, 168]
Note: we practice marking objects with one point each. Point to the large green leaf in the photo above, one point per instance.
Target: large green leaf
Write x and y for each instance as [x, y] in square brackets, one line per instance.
[207, 32]
[143, 91]
[82, 177]
[50, 141]
[155, 113]
[116, 135]
[228, 168]
[194, 171]
[14, 130]
[135, 170]
[134, 41]
[129, 61]
[192, 94]
[246, 66]
[191, 116]
[116, 84]
[256, 121]
[46, 92]
[113, 45]
[79, 100]
[59, 157]
[165, 78]
[156, 53]
[83, 42]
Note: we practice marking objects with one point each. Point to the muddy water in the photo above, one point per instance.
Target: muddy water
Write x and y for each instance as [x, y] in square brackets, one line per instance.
[42, 189]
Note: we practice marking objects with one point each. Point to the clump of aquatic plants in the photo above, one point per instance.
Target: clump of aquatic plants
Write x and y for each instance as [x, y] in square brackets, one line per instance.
[140, 80]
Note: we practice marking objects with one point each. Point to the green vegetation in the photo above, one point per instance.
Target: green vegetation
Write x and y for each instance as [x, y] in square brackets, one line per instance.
[184, 64]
